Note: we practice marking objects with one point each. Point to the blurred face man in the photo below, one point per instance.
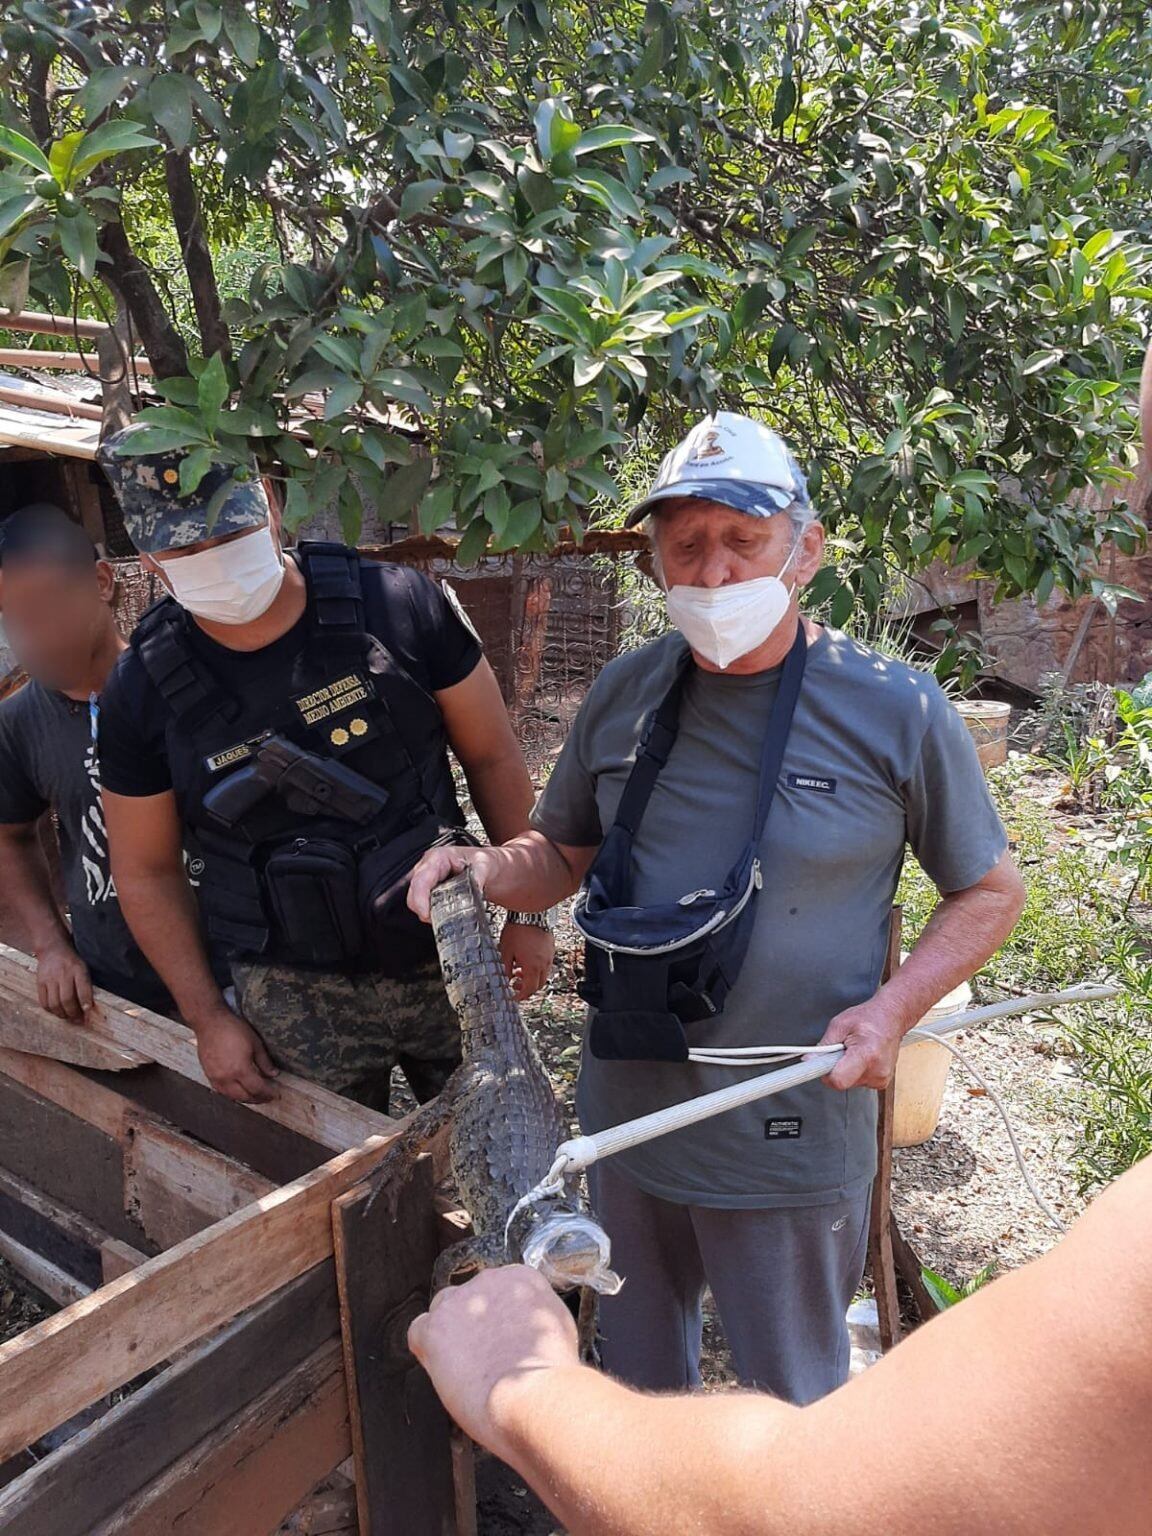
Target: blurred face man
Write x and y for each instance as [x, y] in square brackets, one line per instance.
[57, 602]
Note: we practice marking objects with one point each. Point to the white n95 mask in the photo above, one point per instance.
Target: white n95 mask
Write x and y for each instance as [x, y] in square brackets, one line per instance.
[724, 623]
[231, 583]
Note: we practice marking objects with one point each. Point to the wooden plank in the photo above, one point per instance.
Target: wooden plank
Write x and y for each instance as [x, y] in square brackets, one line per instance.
[117, 1258]
[110, 1100]
[54, 1282]
[38, 359]
[910, 1270]
[330, 1511]
[401, 1435]
[68, 1361]
[110, 1463]
[51, 325]
[25, 1026]
[173, 1187]
[55, 1232]
[252, 1471]
[880, 1258]
[71, 1162]
[304, 1107]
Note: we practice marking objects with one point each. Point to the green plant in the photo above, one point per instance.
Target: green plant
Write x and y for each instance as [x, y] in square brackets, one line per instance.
[1125, 767]
[533, 231]
[946, 1295]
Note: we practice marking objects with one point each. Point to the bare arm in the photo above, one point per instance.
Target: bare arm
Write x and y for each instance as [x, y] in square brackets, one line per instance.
[63, 985]
[145, 843]
[529, 874]
[1025, 1410]
[481, 735]
[964, 931]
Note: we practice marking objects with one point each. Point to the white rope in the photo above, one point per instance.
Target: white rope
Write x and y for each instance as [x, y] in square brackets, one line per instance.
[582, 1151]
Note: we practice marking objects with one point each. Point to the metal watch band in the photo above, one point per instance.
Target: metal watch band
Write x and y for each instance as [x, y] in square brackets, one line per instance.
[531, 920]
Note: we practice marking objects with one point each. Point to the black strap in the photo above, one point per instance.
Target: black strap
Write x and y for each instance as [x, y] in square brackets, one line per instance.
[660, 733]
[335, 595]
[186, 683]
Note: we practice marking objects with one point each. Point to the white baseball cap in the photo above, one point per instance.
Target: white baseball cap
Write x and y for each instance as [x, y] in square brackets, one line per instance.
[730, 459]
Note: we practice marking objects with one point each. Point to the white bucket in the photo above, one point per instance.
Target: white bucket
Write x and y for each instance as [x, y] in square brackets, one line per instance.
[921, 1077]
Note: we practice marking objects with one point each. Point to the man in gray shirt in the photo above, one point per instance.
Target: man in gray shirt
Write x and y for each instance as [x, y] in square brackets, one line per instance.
[767, 1205]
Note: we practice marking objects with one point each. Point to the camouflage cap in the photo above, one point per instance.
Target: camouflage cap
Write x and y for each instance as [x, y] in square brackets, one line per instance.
[157, 517]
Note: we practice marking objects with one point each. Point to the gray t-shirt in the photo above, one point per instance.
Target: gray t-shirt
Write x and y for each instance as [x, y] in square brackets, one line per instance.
[877, 759]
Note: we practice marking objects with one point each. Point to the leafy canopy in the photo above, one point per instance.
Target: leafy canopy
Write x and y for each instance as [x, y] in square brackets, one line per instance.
[911, 237]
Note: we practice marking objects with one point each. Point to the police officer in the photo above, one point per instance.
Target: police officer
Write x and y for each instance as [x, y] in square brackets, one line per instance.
[295, 711]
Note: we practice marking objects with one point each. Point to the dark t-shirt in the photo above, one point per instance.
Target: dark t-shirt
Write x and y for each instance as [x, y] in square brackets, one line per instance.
[419, 623]
[48, 761]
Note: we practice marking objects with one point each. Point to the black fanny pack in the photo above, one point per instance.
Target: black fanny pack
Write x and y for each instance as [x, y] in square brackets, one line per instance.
[652, 971]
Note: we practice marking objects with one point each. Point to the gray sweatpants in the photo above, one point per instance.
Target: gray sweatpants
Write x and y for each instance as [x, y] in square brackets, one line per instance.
[782, 1280]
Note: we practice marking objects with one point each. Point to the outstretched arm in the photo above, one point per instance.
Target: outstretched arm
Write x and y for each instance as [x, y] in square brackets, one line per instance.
[1026, 1410]
[63, 984]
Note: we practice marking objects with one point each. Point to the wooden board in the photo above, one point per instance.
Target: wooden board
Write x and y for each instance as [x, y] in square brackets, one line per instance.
[110, 1101]
[48, 1278]
[133, 1445]
[252, 1471]
[73, 1163]
[61, 1365]
[25, 1026]
[309, 1110]
[401, 1436]
[60, 1235]
[173, 1187]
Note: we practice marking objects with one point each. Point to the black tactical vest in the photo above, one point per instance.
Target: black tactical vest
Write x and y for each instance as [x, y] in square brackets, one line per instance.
[350, 702]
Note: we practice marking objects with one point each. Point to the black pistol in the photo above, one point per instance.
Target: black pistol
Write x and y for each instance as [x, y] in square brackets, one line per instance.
[307, 784]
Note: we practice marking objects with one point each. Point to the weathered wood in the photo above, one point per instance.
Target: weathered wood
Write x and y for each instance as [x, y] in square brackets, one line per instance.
[252, 1471]
[910, 1270]
[49, 1278]
[111, 1101]
[25, 1026]
[68, 1361]
[304, 1107]
[55, 362]
[135, 1443]
[117, 1258]
[880, 1258]
[52, 325]
[401, 1435]
[330, 1511]
[173, 1187]
[55, 1232]
[71, 1162]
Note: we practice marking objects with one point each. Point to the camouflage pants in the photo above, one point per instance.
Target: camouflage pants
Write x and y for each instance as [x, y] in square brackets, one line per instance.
[347, 1032]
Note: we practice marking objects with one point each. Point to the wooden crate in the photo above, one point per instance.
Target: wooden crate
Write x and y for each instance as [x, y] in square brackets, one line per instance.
[221, 1262]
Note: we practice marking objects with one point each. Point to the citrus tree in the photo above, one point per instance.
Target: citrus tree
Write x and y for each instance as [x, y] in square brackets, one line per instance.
[911, 237]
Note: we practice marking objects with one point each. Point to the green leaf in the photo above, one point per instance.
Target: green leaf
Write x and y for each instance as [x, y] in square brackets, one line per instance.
[556, 132]
[418, 195]
[17, 147]
[243, 34]
[473, 543]
[785, 105]
[407, 486]
[170, 102]
[77, 234]
[609, 136]
[523, 521]
[160, 440]
[342, 398]
[61, 155]
[104, 87]
[108, 140]
[14, 209]
[436, 508]
[193, 468]
[297, 507]
[179, 390]
[942, 1292]
[1041, 361]
[212, 389]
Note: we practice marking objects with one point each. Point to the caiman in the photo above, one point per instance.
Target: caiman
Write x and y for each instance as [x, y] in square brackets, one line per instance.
[504, 1121]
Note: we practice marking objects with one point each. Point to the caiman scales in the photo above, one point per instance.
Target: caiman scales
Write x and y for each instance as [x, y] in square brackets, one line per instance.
[504, 1121]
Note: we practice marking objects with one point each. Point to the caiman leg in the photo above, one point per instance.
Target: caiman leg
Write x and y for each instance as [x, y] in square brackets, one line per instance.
[467, 1258]
[587, 1326]
[398, 1162]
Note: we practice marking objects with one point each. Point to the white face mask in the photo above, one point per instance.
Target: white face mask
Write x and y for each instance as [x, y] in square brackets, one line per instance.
[724, 623]
[230, 583]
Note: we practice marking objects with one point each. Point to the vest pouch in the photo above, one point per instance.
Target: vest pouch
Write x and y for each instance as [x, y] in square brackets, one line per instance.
[397, 941]
[311, 890]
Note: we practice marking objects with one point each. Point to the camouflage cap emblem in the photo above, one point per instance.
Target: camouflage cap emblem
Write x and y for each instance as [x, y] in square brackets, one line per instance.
[157, 517]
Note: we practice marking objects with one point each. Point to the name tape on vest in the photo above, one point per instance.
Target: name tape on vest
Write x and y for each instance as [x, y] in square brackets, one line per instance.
[240, 753]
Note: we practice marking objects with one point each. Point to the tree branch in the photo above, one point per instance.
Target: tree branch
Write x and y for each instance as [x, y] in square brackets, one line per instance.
[197, 256]
[127, 276]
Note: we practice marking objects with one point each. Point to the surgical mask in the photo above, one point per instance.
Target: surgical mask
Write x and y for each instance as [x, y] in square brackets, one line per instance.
[230, 583]
[724, 623]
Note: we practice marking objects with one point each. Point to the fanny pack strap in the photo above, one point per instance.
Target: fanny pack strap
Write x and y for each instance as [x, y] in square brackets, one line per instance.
[659, 737]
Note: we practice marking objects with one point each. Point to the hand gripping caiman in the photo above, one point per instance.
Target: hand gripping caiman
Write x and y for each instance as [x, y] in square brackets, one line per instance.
[504, 1122]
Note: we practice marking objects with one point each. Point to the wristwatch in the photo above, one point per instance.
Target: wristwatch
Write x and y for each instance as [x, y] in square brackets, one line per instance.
[531, 920]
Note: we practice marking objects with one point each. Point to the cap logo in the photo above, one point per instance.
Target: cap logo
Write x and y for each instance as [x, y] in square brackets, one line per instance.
[709, 447]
